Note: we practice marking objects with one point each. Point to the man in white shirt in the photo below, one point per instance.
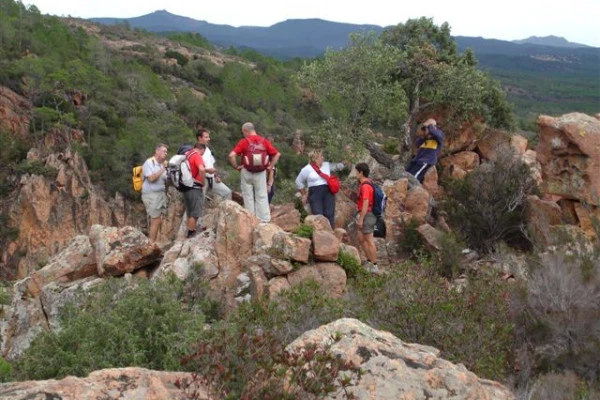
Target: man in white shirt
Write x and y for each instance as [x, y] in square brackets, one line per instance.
[213, 181]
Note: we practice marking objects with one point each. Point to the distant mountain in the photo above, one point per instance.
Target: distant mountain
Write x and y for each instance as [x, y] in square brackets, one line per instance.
[555, 41]
[284, 40]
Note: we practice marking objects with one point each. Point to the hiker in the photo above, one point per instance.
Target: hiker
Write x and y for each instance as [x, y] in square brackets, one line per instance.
[258, 156]
[193, 198]
[154, 196]
[366, 219]
[429, 141]
[214, 183]
[314, 188]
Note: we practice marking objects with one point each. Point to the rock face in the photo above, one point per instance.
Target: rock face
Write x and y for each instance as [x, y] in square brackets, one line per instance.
[48, 211]
[106, 384]
[14, 113]
[569, 152]
[397, 370]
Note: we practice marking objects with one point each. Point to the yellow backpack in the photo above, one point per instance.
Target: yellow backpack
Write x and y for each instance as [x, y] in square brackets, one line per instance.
[138, 178]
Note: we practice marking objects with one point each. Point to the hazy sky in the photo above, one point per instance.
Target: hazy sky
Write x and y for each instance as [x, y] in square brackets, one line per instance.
[575, 20]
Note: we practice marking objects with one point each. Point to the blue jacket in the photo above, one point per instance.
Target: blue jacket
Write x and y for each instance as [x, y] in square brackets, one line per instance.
[430, 148]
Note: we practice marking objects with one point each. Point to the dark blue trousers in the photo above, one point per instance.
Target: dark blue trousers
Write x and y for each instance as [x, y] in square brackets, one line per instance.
[322, 202]
[418, 169]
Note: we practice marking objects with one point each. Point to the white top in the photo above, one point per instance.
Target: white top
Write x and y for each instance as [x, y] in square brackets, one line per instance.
[308, 177]
[209, 161]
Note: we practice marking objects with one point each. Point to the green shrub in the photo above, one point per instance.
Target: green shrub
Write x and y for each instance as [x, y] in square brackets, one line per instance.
[7, 233]
[181, 59]
[35, 168]
[5, 370]
[391, 146]
[305, 231]
[119, 326]
[488, 205]
[414, 303]
[243, 356]
[244, 363]
[450, 255]
[411, 241]
[353, 268]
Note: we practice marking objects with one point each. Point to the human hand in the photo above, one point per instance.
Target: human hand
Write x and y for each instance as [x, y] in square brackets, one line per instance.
[165, 163]
[430, 121]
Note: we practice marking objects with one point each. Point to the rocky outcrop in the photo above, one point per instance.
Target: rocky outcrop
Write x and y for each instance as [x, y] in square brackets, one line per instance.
[118, 251]
[569, 152]
[394, 370]
[49, 210]
[14, 113]
[106, 384]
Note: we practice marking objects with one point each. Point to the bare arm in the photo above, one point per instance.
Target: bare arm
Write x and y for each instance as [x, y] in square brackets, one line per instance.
[362, 213]
[274, 161]
[233, 160]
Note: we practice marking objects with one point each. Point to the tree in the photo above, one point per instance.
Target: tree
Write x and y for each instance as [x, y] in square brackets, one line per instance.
[355, 89]
[391, 80]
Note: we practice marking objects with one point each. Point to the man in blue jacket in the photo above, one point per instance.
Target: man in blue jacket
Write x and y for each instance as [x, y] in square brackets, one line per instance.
[429, 143]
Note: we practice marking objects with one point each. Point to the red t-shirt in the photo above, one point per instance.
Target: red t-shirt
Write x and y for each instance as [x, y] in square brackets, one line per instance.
[241, 147]
[365, 191]
[196, 161]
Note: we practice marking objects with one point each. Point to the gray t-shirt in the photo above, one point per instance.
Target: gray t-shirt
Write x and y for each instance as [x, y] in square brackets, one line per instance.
[151, 167]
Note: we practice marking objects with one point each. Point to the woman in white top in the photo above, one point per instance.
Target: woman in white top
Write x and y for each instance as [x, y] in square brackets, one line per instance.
[314, 188]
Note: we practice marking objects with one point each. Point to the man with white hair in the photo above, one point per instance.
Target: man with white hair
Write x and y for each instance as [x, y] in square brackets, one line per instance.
[257, 156]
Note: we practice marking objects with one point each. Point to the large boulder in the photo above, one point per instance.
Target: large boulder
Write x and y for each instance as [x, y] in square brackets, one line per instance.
[393, 369]
[75, 262]
[569, 152]
[121, 250]
[234, 238]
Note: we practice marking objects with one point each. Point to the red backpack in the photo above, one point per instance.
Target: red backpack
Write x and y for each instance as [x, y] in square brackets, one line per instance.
[256, 158]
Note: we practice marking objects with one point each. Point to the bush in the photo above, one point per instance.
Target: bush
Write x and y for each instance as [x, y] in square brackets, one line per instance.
[560, 386]
[243, 356]
[353, 268]
[253, 364]
[5, 370]
[305, 231]
[450, 256]
[557, 317]
[488, 205]
[414, 303]
[35, 168]
[119, 326]
[411, 241]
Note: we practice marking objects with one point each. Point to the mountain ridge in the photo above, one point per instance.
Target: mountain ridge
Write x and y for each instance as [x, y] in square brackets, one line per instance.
[160, 20]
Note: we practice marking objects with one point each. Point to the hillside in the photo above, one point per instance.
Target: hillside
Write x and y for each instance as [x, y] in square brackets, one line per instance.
[544, 75]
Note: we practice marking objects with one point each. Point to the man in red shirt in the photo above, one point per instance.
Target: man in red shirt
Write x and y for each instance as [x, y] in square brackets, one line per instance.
[258, 155]
[194, 197]
[366, 219]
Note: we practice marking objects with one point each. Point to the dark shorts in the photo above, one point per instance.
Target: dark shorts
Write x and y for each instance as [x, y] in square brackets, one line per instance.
[194, 202]
[369, 223]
